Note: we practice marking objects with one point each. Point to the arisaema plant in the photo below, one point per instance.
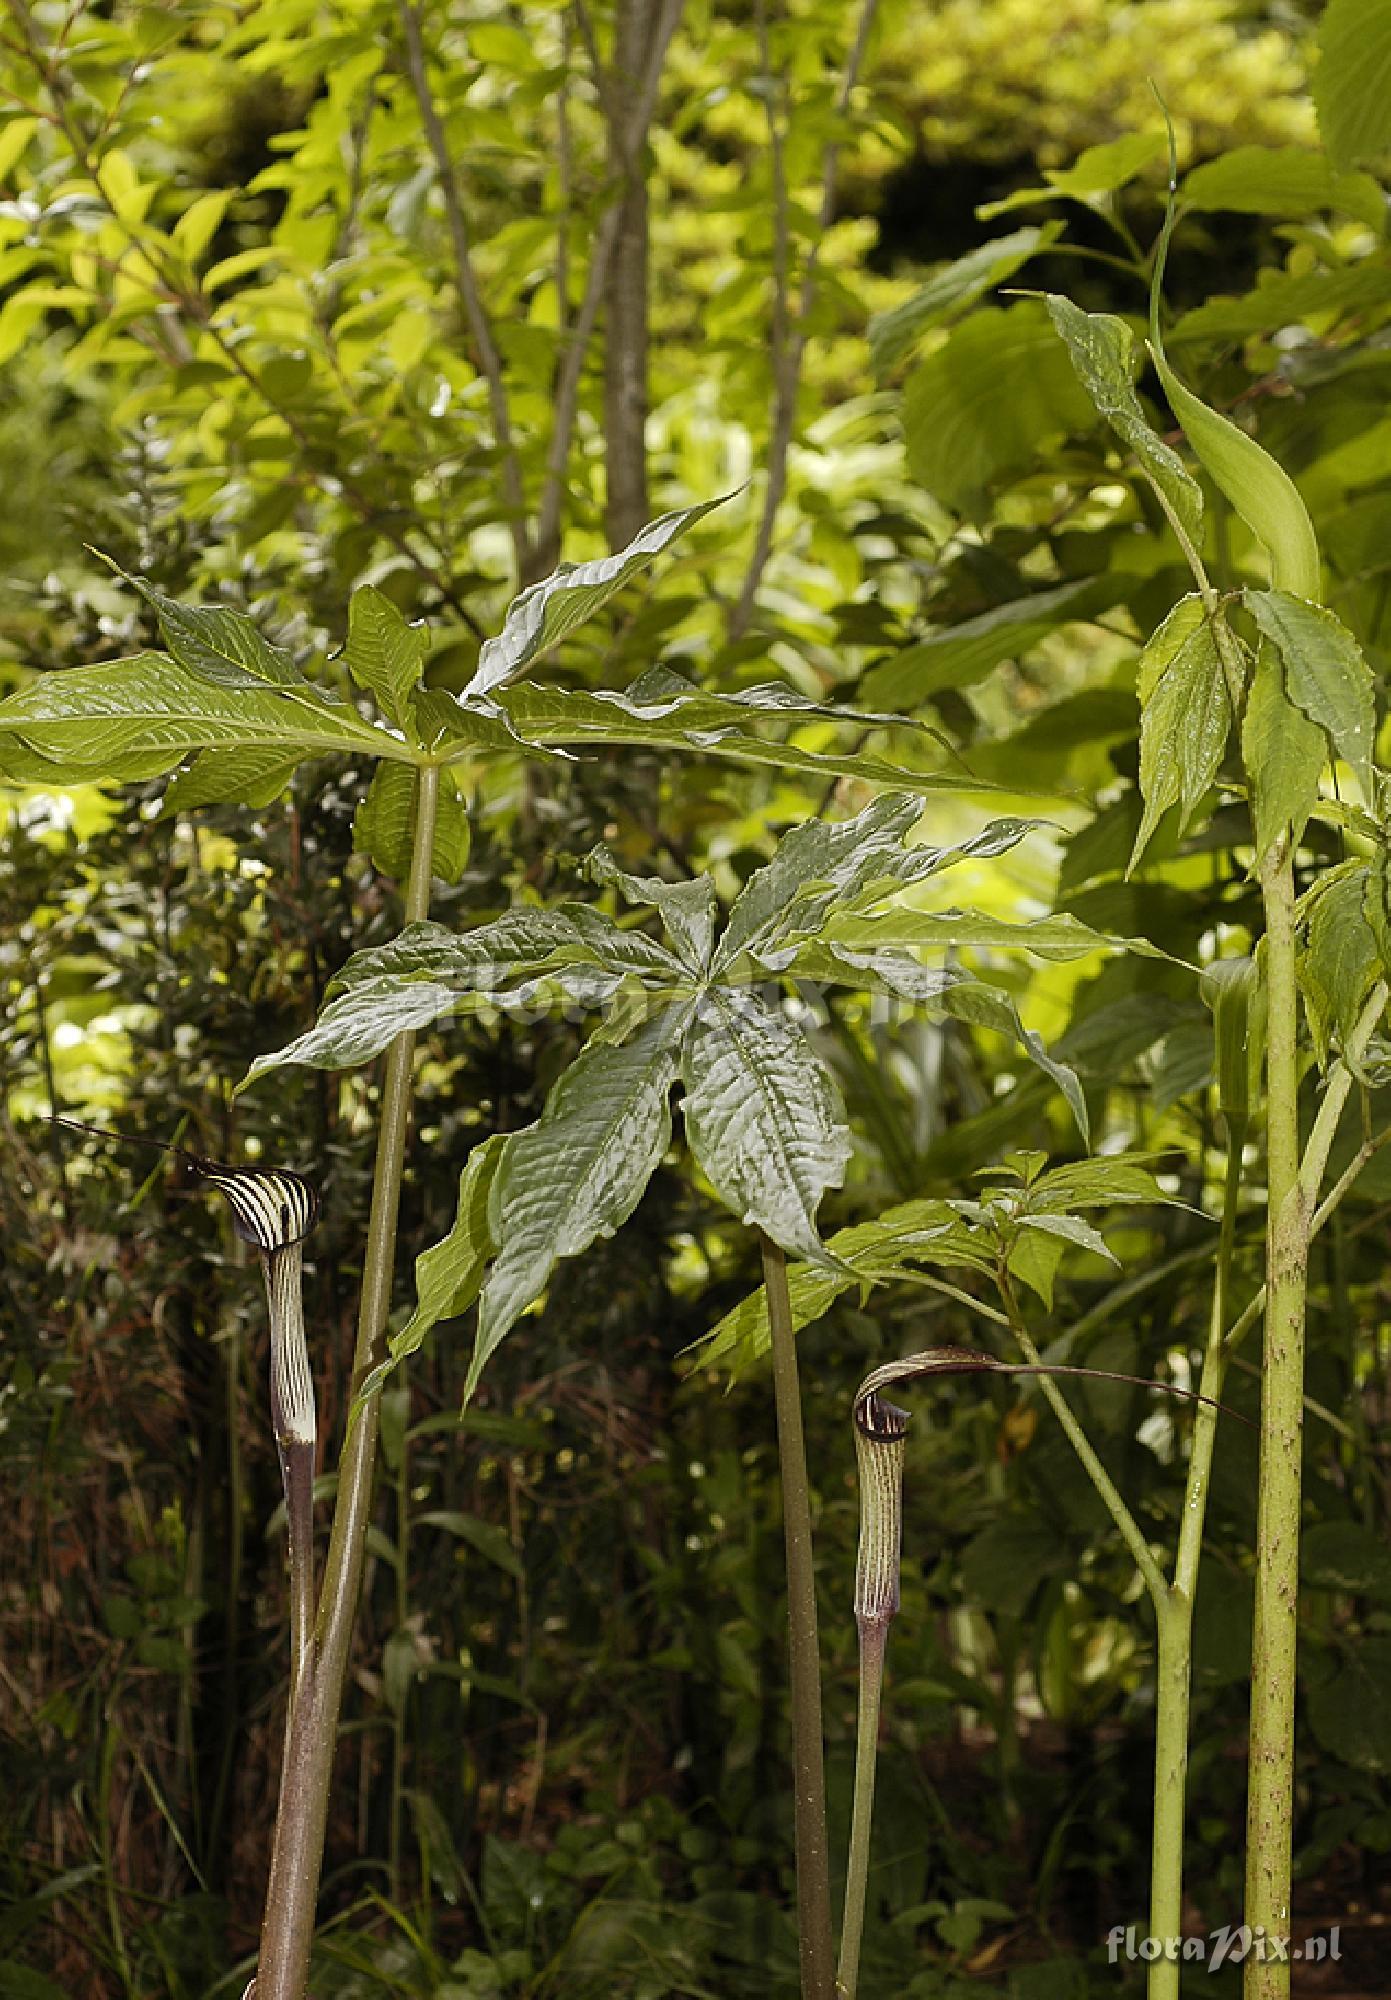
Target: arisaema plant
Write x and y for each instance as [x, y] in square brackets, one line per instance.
[233, 715]
[704, 1009]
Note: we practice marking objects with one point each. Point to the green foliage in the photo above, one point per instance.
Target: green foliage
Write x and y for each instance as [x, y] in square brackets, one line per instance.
[762, 1116]
[242, 359]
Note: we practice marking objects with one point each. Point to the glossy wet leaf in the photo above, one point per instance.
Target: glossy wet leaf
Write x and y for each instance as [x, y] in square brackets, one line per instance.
[546, 612]
[385, 654]
[763, 1118]
[150, 707]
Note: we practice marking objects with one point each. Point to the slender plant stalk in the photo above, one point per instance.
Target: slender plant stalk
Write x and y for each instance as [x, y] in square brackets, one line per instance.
[1270, 1798]
[874, 1640]
[287, 1930]
[1174, 1679]
[813, 1864]
[1126, 1524]
[792, 327]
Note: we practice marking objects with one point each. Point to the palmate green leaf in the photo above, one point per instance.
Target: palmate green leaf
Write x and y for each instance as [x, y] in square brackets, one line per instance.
[149, 707]
[951, 290]
[1325, 674]
[22, 765]
[1284, 754]
[1102, 348]
[953, 994]
[545, 612]
[384, 824]
[384, 653]
[880, 1252]
[449, 1275]
[964, 654]
[763, 1118]
[831, 856]
[1352, 83]
[985, 1007]
[1185, 718]
[1341, 959]
[359, 1025]
[518, 944]
[578, 1173]
[983, 405]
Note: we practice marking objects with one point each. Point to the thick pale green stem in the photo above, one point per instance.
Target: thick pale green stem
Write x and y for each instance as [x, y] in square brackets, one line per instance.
[813, 1865]
[1270, 1799]
[287, 1931]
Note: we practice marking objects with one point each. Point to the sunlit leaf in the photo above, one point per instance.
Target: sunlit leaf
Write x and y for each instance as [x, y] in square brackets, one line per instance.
[547, 611]
[384, 653]
[1352, 79]
[1102, 348]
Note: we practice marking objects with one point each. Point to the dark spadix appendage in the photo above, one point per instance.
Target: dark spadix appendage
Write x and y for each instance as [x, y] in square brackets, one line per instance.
[271, 1207]
[879, 1421]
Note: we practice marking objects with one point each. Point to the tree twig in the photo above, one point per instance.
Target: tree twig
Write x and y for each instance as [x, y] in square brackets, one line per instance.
[788, 357]
[480, 328]
[567, 389]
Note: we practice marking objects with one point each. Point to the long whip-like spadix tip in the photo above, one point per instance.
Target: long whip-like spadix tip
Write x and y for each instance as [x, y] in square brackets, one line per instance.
[271, 1206]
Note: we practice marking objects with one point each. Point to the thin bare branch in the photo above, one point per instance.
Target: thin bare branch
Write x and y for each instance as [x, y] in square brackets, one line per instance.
[480, 328]
[787, 360]
[567, 392]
